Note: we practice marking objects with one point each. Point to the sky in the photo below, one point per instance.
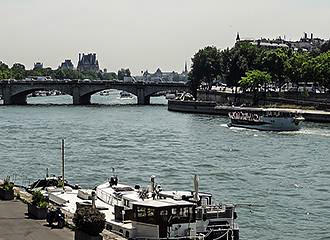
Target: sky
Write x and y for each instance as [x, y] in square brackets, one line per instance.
[146, 34]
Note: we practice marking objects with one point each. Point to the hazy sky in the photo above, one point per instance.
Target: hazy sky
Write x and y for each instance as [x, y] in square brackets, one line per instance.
[146, 34]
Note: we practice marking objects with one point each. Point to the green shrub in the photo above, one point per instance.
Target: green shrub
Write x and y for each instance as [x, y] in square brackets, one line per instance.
[89, 220]
[7, 185]
[39, 200]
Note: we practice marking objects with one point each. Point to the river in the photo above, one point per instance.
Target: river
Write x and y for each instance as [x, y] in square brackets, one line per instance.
[286, 176]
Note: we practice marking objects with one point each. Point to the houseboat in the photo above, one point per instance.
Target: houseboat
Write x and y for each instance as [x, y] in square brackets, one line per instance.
[151, 213]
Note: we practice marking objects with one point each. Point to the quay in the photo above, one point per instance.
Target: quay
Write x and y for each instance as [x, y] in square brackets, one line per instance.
[16, 225]
[211, 107]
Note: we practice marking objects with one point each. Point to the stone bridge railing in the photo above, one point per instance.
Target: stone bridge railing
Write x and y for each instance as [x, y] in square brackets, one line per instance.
[16, 91]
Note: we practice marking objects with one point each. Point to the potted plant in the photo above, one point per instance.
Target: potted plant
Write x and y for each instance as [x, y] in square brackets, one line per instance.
[38, 208]
[7, 190]
[89, 223]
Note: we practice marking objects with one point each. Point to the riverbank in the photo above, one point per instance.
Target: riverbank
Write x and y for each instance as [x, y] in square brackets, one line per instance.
[318, 101]
[15, 223]
[211, 107]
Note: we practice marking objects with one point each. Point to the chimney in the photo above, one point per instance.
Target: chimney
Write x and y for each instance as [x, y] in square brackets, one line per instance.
[305, 35]
[312, 36]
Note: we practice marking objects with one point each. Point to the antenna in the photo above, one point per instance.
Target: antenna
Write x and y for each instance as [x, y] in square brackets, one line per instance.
[62, 148]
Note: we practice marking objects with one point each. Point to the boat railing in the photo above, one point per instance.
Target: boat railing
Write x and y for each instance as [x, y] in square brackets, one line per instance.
[107, 197]
[198, 237]
[246, 116]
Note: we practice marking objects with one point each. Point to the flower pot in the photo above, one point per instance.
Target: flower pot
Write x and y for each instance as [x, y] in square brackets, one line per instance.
[6, 195]
[80, 235]
[37, 212]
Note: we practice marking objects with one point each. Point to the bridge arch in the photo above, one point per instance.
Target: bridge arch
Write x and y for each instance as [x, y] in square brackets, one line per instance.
[85, 93]
[19, 95]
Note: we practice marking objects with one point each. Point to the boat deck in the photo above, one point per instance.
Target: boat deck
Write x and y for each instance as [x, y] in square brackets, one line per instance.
[68, 202]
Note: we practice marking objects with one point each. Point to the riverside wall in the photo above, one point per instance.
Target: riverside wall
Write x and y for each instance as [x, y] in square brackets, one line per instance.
[317, 100]
[211, 107]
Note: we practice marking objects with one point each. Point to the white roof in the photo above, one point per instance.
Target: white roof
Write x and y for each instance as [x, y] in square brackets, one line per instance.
[163, 203]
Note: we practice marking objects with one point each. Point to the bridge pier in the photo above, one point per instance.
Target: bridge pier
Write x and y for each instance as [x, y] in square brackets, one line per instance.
[8, 99]
[141, 98]
[80, 100]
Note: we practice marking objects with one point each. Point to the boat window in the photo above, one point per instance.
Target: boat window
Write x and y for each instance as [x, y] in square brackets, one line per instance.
[163, 213]
[174, 211]
[141, 212]
[184, 212]
[191, 210]
[150, 212]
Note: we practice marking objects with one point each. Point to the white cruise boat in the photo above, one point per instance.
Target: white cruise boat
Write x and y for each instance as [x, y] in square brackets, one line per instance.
[265, 119]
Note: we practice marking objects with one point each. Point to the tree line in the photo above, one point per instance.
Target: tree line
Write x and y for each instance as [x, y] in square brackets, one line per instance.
[250, 67]
[18, 71]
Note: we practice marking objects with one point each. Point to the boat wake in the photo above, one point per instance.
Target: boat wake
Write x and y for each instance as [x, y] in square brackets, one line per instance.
[318, 132]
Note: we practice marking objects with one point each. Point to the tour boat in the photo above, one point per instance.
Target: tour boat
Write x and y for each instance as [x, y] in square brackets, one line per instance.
[265, 119]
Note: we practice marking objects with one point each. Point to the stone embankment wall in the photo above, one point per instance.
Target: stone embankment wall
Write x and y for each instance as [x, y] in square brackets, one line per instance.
[317, 100]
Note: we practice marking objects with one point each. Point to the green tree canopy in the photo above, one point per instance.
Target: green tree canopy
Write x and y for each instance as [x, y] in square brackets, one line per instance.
[274, 62]
[5, 72]
[255, 79]
[18, 71]
[238, 60]
[205, 67]
[123, 73]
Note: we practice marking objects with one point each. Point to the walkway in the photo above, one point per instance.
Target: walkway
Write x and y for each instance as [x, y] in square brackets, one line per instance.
[15, 225]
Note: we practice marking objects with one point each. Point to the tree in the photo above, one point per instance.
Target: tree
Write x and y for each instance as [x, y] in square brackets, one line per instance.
[254, 80]
[237, 61]
[205, 67]
[66, 74]
[322, 69]
[18, 71]
[109, 76]
[274, 62]
[123, 73]
[325, 47]
[294, 67]
[4, 71]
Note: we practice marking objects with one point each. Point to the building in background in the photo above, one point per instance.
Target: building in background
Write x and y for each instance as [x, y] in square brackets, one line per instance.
[38, 65]
[67, 64]
[160, 76]
[306, 43]
[88, 63]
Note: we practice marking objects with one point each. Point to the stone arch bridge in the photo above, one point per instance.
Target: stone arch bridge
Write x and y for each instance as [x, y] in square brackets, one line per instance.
[14, 92]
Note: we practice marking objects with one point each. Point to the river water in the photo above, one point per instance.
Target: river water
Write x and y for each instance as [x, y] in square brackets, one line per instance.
[286, 176]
